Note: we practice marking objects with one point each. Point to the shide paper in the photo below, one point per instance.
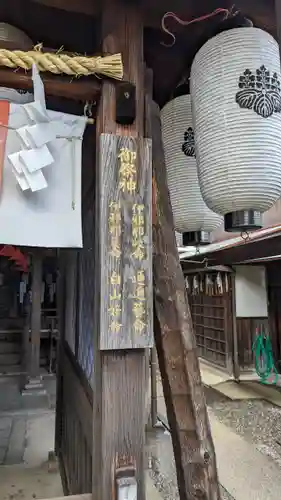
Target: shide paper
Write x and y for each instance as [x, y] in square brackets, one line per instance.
[40, 202]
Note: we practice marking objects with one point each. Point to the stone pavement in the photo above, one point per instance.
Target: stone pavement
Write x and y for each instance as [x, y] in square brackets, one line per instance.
[243, 471]
[12, 439]
[15, 414]
[24, 447]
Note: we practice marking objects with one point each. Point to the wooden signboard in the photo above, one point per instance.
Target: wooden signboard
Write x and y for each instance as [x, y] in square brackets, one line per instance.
[125, 243]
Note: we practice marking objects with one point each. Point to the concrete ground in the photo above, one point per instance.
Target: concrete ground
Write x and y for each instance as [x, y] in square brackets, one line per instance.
[244, 472]
[249, 386]
[26, 438]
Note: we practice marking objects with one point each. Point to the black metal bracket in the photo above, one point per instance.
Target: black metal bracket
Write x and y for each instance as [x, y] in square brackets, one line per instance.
[125, 103]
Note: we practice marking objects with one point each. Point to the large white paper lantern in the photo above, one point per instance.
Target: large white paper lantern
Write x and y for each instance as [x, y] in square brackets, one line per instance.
[236, 103]
[191, 215]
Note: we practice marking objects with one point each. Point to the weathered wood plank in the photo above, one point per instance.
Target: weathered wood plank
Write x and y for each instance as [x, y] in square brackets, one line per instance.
[76, 396]
[79, 89]
[126, 241]
[176, 347]
[119, 376]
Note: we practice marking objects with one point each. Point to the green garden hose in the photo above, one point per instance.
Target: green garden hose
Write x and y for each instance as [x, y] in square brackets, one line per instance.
[264, 362]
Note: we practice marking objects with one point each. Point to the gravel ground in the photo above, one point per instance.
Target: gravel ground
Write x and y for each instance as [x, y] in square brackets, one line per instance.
[257, 421]
[162, 466]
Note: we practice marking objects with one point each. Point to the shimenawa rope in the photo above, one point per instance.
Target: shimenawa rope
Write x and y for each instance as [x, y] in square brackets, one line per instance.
[60, 63]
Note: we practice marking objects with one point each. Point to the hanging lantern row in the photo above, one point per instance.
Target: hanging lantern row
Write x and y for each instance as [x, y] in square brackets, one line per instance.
[192, 217]
[207, 284]
[225, 159]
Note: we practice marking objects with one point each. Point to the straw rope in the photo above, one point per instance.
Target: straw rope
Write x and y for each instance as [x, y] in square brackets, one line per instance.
[60, 63]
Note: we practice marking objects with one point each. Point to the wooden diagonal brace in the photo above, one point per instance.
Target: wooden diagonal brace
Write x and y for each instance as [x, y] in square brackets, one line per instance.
[176, 347]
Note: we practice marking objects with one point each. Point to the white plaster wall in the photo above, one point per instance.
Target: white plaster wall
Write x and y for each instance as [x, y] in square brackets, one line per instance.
[251, 292]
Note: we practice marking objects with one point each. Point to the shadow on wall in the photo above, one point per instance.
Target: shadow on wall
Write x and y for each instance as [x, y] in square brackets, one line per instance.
[270, 218]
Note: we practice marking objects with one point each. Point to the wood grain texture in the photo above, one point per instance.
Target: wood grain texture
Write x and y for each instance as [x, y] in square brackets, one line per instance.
[79, 89]
[212, 323]
[119, 376]
[247, 331]
[126, 257]
[273, 275]
[76, 438]
[122, 31]
[123, 417]
[176, 347]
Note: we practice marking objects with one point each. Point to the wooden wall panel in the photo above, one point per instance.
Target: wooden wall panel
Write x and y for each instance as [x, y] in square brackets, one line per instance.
[213, 324]
[208, 321]
[247, 330]
[75, 451]
[274, 309]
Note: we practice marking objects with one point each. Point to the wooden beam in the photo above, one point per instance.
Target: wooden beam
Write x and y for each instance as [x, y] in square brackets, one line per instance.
[249, 250]
[260, 12]
[176, 347]
[79, 89]
[88, 7]
[119, 375]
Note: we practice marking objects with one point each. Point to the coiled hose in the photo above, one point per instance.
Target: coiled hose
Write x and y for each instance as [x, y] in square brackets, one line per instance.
[264, 362]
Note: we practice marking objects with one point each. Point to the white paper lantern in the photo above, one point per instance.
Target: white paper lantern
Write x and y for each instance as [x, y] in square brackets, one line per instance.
[236, 103]
[191, 215]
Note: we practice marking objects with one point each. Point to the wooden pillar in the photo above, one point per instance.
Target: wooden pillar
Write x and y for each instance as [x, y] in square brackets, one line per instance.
[153, 386]
[176, 346]
[33, 379]
[26, 337]
[123, 159]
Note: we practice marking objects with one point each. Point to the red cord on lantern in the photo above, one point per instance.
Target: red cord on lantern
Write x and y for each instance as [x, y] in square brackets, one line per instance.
[186, 23]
